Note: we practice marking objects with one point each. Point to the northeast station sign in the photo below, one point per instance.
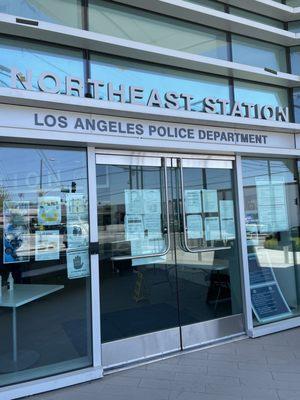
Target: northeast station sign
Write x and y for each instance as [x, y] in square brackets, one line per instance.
[49, 82]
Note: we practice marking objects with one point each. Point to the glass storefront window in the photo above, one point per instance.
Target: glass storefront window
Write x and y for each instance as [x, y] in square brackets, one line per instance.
[163, 79]
[256, 17]
[295, 60]
[64, 12]
[261, 94]
[258, 53]
[27, 55]
[271, 194]
[129, 23]
[45, 316]
[293, 3]
[294, 26]
[296, 102]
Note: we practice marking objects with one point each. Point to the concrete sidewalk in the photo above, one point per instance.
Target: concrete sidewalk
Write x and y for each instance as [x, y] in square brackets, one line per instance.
[266, 368]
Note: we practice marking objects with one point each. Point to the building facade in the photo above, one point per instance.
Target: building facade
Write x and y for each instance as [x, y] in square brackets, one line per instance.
[149, 181]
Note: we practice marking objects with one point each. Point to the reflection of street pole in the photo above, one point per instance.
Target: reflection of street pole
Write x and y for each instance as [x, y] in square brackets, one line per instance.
[41, 174]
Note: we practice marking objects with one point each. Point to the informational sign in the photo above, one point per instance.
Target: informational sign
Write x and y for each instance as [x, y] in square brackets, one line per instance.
[134, 227]
[47, 245]
[194, 226]
[78, 263]
[212, 228]
[16, 235]
[210, 201]
[272, 205]
[134, 201]
[152, 226]
[77, 220]
[268, 302]
[151, 201]
[259, 274]
[92, 128]
[227, 219]
[193, 202]
[49, 210]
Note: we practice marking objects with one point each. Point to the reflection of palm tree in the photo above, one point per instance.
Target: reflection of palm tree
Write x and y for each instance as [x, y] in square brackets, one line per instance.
[4, 196]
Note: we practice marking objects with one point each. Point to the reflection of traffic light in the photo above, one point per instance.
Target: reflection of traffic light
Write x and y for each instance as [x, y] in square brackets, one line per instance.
[73, 187]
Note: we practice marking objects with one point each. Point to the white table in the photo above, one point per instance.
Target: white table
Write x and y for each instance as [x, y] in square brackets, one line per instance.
[21, 294]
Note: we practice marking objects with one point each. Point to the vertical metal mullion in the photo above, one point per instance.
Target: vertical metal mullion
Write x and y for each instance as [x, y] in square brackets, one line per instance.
[94, 259]
[239, 195]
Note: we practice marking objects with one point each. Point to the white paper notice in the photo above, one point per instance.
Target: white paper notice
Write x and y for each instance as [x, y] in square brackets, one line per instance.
[147, 246]
[134, 201]
[152, 226]
[272, 205]
[194, 226]
[152, 201]
[78, 264]
[46, 245]
[227, 219]
[134, 227]
[193, 202]
[49, 210]
[212, 228]
[210, 201]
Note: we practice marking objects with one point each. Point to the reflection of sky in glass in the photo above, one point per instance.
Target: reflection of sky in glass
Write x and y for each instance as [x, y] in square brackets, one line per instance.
[263, 168]
[163, 79]
[25, 55]
[128, 23]
[65, 12]
[258, 53]
[260, 94]
[24, 171]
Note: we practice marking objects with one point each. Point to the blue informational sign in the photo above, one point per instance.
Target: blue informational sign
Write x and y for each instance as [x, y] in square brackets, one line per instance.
[268, 302]
[258, 274]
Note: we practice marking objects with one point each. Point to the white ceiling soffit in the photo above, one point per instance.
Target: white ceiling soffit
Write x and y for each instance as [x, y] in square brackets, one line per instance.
[218, 19]
[59, 34]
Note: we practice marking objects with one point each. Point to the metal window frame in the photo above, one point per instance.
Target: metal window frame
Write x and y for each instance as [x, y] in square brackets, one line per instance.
[59, 381]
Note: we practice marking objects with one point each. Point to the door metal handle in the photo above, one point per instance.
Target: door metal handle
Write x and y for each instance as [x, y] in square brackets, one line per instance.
[183, 213]
[166, 229]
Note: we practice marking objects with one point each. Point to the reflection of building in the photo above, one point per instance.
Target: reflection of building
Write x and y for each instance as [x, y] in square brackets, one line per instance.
[164, 142]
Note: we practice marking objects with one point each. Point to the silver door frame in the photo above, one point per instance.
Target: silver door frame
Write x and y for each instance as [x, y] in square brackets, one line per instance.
[116, 353]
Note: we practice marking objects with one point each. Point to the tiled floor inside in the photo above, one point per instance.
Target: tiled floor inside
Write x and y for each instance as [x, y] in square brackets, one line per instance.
[266, 368]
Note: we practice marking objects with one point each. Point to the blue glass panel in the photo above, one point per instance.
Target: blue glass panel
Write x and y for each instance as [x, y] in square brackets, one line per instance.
[65, 12]
[28, 55]
[164, 79]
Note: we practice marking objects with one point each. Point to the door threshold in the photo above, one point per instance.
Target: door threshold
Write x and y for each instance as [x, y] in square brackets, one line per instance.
[166, 356]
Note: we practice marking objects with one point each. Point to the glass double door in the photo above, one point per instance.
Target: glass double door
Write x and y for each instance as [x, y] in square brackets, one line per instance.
[169, 262]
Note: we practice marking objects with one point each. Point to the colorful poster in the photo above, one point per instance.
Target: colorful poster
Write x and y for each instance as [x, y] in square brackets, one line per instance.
[49, 210]
[194, 226]
[77, 220]
[210, 201]
[134, 201]
[76, 203]
[151, 201]
[193, 202]
[212, 228]
[16, 235]
[78, 263]
[227, 219]
[77, 233]
[46, 245]
[134, 227]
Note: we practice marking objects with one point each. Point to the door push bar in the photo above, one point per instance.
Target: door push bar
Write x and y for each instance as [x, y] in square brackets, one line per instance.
[166, 230]
[183, 213]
